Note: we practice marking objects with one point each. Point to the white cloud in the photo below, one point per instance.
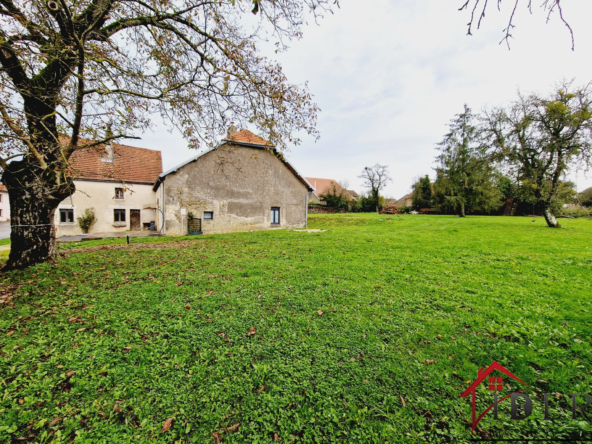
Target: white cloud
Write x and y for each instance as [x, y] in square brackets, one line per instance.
[389, 75]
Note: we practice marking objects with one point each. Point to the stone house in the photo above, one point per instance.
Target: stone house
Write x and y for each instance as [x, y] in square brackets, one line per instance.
[243, 184]
[405, 201]
[116, 181]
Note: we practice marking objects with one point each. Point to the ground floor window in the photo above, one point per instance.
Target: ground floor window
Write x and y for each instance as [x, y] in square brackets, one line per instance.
[208, 215]
[275, 215]
[119, 215]
[66, 215]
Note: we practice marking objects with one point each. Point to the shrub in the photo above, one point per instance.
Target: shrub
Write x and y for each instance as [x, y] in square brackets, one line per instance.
[87, 220]
[576, 212]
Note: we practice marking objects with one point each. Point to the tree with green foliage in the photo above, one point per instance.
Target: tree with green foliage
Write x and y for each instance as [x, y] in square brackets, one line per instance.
[585, 197]
[336, 197]
[77, 74]
[539, 138]
[422, 193]
[466, 177]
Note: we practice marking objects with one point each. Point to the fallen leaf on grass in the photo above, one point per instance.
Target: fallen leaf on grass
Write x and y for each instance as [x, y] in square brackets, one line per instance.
[21, 401]
[233, 428]
[217, 437]
[80, 329]
[167, 424]
[261, 389]
[251, 332]
[10, 333]
[117, 409]
[70, 374]
[54, 422]
[402, 401]
[188, 307]
[320, 313]
[178, 284]
[276, 437]
[430, 361]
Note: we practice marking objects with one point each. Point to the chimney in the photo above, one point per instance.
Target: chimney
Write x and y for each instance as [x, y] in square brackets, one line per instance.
[231, 131]
[108, 156]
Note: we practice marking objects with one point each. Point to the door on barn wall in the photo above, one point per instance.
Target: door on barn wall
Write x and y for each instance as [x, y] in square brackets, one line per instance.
[135, 220]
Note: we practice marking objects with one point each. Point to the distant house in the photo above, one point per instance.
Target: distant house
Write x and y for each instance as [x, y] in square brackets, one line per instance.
[116, 180]
[4, 204]
[324, 186]
[353, 194]
[405, 201]
[243, 184]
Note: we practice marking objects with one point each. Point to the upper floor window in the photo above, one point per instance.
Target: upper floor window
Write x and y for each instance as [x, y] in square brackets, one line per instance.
[66, 215]
[119, 193]
[119, 215]
[275, 216]
[208, 215]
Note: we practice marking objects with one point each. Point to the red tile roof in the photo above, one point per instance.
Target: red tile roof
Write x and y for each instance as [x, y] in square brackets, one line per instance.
[246, 136]
[130, 164]
[323, 186]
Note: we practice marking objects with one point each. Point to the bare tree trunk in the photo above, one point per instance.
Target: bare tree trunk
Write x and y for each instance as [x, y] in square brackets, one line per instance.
[550, 218]
[462, 209]
[34, 196]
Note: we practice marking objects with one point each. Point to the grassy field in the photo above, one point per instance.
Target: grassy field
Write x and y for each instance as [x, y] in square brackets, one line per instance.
[365, 332]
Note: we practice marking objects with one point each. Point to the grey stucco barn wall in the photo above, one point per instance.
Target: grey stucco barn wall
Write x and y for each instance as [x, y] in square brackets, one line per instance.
[240, 185]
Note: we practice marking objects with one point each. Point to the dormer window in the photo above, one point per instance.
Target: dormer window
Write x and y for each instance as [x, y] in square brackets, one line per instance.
[119, 193]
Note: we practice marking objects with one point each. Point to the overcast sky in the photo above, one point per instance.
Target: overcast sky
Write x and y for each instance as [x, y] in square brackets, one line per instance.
[389, 75]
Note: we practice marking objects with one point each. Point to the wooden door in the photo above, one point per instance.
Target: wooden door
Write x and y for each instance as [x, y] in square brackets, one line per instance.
[135, 220]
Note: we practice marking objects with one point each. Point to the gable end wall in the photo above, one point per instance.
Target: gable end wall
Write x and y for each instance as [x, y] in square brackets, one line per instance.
[240, 185]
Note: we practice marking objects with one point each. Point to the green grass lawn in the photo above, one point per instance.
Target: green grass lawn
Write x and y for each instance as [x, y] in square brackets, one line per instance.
[366, 332]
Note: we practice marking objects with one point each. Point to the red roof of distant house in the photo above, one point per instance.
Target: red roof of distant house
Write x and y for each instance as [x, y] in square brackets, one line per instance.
[353, 194]
[323, 186]
[130, 164]
[403, 200]
[246, 136]
[3, 188]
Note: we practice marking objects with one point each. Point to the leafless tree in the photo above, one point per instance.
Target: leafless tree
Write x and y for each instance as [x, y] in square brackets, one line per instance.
[375, 179]
[478, 8]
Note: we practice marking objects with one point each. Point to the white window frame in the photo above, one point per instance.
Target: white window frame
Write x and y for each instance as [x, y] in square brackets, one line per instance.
[68, 210]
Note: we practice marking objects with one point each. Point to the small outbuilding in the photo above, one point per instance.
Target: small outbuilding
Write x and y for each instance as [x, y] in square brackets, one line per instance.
[243, 184]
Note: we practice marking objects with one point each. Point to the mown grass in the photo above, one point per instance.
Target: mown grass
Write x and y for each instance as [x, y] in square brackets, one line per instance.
[366, 332]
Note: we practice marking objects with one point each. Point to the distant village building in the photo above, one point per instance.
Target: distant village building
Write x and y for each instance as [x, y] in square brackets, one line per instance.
[116, 181]
[4, 205]
[353, 194]
[324, 186]
[405, 201]
[243, 184]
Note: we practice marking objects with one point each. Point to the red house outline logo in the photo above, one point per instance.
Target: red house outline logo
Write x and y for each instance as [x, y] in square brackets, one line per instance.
[495, 384]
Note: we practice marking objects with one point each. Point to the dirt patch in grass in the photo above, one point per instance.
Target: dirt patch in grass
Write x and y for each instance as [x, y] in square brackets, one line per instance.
[143, 246]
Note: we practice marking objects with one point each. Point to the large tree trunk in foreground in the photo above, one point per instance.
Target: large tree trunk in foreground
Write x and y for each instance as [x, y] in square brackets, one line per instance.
[550, 218]
[34, 195]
